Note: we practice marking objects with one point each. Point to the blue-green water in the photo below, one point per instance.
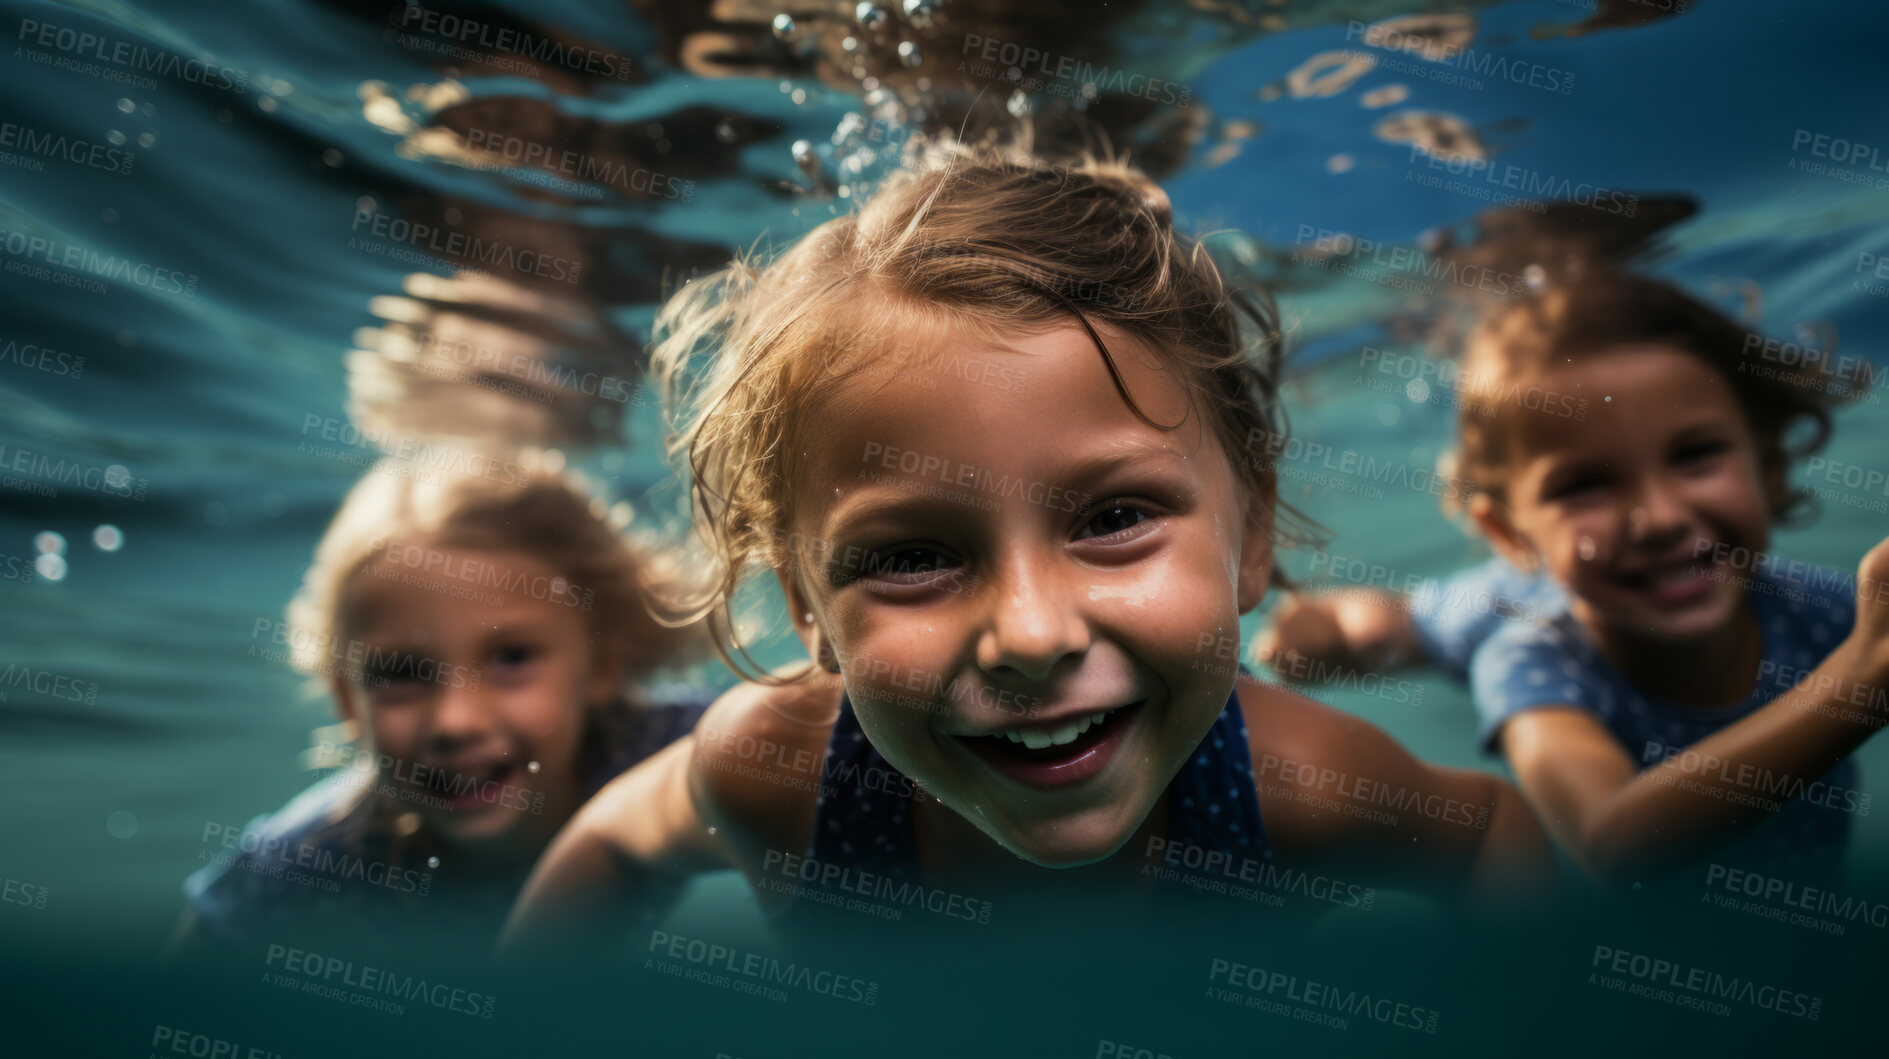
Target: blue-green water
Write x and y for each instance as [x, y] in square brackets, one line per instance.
[205, 264]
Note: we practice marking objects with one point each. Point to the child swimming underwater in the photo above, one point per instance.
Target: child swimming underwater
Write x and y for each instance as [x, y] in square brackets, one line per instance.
[1679, 691]
[477, 632]
[1002, 437]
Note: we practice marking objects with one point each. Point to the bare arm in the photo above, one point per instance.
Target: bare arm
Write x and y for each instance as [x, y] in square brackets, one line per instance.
[594, 883]
[1339, 791]
[1619, 822]
[743, 782]
[1313, 638]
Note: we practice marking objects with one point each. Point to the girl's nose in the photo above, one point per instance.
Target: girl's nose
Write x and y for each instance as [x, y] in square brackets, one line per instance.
[1030, 626]
[461, 716]
[1658, 513]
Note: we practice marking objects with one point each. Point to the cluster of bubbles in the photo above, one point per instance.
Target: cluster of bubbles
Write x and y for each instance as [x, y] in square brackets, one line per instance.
[50, 563]
[865, 144]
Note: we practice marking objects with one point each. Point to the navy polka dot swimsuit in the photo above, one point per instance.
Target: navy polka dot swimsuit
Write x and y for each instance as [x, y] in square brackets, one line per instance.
[864, 816]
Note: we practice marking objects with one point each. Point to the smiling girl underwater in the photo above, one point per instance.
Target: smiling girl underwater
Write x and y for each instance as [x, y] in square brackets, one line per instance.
[1664, 687]
[479, 633]
[1004, 440]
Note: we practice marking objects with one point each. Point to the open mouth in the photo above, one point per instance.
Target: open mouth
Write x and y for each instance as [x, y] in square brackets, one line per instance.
[472, 788]
[1048, 758]
[1674, 584]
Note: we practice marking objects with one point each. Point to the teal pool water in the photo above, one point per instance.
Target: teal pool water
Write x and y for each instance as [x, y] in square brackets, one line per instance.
[188, 269]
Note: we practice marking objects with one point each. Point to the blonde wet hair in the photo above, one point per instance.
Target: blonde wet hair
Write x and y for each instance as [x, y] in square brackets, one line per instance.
[988, 240]
[526, 506]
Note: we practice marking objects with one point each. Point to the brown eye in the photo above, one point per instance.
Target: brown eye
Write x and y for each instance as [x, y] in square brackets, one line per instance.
[1112, 519]
[1698, 452]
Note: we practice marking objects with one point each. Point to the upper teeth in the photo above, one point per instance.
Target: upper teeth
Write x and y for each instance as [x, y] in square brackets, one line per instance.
[1038, 738]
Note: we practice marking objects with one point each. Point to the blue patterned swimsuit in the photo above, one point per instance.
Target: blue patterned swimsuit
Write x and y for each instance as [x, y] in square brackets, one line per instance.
[863, 841]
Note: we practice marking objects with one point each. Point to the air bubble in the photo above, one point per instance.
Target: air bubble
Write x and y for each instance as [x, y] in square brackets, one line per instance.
[118, 475]
[909, 53]
[126, 106]
[432, 862]
[51, 567]
[50, 543]
[1417, 390]
[121, 824]
[147, 139]
[108, 538]
[331, 158]
[532, 767]
[116, 138]
[869, 14]
[784, 26]
[1535, 277]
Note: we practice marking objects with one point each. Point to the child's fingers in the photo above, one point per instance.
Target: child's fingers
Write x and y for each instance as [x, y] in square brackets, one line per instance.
[1872, 576]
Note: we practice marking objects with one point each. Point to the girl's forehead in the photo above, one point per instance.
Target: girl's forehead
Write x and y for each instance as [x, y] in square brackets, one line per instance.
[1623, 396]
[963, 388]
[979, 422]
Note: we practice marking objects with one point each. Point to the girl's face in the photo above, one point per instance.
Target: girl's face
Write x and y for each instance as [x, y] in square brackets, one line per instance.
[1030, 591]
[1634, 509]
[469, 670]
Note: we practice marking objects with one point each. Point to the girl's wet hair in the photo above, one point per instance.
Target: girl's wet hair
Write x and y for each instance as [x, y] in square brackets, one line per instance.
[527, 506]
[1601, 309]
[987, 241]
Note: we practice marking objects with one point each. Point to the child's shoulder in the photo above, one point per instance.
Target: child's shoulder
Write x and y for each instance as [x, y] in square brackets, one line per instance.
[242, 881]
[759, 755]
[1284, 726]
